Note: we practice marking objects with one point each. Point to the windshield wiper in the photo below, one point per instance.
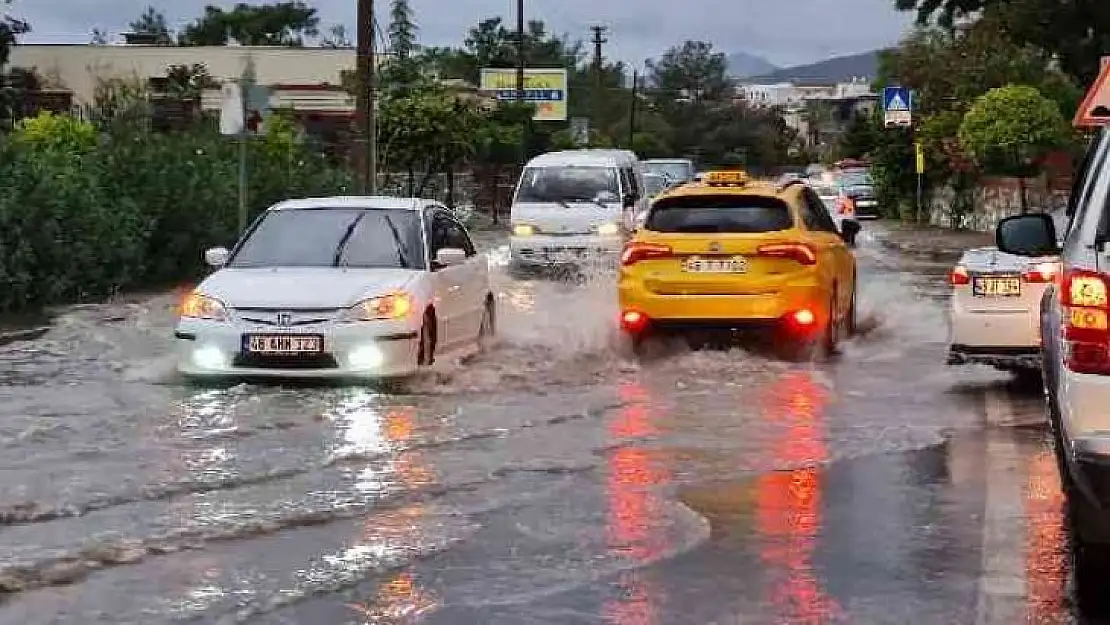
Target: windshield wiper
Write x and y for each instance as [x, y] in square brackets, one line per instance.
[343, 241]
[402, 251]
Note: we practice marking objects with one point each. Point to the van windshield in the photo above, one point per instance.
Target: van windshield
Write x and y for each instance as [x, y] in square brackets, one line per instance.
[569, 184]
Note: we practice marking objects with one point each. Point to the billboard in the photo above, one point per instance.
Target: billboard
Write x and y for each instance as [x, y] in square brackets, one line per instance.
[545, 88]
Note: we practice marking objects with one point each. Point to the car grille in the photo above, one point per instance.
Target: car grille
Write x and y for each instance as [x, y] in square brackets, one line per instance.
[303, 362]
[292, 317]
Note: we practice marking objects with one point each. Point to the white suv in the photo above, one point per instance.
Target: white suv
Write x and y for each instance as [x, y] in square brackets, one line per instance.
[1075, 354]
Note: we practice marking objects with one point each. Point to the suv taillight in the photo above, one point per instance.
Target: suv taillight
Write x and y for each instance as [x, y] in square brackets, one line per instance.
[635, 252]
[959, 276]
[1084, 295]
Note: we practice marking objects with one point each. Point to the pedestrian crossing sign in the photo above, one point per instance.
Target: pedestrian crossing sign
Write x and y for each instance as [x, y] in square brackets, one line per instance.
[898, 106]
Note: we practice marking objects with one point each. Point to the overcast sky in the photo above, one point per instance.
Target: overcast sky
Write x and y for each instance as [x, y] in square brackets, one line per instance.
[785, 32]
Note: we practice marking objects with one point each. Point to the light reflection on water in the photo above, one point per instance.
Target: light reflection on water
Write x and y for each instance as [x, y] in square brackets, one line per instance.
[205, 419]
[633, 516]
[1046, 558]
[788, 503]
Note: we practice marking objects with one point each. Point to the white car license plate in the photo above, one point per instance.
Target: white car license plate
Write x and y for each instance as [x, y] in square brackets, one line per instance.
[736, 264]
[283, 343]
[994, 286]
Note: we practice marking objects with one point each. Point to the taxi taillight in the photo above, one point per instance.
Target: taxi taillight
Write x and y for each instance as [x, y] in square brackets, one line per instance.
[1041, 273]
[635, 252]
[1084, 295]
[959, 276]
[798, 252]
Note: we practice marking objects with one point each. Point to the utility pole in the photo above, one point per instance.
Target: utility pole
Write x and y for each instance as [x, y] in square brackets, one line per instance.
[598, 40]
[632, 107]
[366, 68]
[521, 64]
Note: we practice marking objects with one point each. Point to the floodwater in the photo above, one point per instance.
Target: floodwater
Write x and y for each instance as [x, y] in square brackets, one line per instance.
[554, 479]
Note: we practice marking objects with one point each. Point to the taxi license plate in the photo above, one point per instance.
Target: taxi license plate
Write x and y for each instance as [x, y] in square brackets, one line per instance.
[283, 344]
[716, 265]
[1009, 286]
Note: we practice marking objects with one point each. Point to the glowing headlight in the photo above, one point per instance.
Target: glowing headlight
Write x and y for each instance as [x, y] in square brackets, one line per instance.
[608, 230]
[523, 230]
[197, 306]
[392, 306]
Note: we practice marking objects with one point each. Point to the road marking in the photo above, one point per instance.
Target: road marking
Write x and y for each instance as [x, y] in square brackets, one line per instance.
[1002, 583]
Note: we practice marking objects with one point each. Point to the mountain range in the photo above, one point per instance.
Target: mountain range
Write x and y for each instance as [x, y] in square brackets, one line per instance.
[754, 69]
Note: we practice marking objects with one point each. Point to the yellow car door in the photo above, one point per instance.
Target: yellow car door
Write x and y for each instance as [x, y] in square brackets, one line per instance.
[836, 261]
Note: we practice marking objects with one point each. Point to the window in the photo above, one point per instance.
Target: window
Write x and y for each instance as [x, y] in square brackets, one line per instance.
[333, 237]
[567, 184]
[815, 215]
[447, 233]
[633, 185]
[719, 214]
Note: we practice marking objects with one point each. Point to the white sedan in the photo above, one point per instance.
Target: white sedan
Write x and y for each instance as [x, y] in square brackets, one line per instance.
[995, 308]
[343, 287]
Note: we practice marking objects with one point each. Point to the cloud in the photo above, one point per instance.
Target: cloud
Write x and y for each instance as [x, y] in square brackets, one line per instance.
[786, 33]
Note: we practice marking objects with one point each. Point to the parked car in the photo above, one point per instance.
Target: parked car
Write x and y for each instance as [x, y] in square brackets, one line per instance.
[342, 287]
[679, 170]
[1075, 357]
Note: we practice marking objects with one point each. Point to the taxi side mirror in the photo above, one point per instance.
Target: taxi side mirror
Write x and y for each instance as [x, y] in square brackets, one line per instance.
[849, 231]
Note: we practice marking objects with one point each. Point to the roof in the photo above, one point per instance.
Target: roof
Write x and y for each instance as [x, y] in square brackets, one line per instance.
[580, 157]
[354, 201]
[765, 188]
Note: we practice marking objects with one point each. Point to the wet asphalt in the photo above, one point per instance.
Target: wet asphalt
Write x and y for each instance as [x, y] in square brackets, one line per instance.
[553, 480]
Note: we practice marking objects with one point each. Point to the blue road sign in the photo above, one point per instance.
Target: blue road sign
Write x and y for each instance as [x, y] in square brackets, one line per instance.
[897, 99]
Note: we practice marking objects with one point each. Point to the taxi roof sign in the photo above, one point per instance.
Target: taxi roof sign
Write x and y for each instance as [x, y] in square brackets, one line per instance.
[737, 178]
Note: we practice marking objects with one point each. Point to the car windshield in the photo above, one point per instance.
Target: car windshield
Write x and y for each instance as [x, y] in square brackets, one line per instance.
[861, 179]
[826, 190]
[333, 237]
[568, 184]
[719, 213]
[653, 184]
[676, 170]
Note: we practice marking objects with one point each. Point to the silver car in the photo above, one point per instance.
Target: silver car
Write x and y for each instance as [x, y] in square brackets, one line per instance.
[338, 287]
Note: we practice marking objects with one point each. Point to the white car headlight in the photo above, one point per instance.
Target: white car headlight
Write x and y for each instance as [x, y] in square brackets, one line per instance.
[608, 230]
[392, 306]
[523, 230]
[198, 306]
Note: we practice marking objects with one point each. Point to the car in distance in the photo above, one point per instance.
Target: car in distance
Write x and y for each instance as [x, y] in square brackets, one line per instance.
[342, 287]
[858, 186]
[733, 253]
[995, 308]
[679, 170]
[1075, 360]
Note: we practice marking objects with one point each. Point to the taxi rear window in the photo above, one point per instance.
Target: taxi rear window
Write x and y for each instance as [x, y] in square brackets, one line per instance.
[719, 213]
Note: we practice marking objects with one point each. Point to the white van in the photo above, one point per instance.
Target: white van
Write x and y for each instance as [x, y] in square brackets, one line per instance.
[574, 206]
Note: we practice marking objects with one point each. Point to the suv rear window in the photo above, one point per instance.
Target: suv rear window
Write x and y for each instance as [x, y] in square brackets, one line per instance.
[719, 213]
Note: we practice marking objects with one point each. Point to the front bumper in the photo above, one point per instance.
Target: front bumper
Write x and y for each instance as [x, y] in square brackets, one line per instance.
[546, 250]
[382, 349]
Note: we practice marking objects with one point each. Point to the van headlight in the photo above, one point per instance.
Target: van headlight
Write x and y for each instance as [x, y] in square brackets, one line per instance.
[523, 230]
[608, 230]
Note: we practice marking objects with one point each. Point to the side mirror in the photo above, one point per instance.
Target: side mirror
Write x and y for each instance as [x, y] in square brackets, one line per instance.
[849, 230]
[450, 256]
[1027, 235]
[217, 256]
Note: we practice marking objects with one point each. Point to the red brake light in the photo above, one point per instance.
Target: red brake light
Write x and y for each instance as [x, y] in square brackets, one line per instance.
[634, 252]
[1041, 273]
[634, 321]
[805, 317]
[799, 252]
[959, 276]
[1085, 296]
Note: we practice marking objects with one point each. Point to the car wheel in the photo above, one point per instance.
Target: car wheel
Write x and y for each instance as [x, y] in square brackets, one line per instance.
[851, 324]
[426, 356]
[1090, 561]
[488, 328]
[831, 335]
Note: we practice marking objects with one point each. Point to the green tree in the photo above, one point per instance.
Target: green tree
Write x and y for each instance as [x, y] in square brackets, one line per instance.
[11, 29]
[403, 70]
[287, 23]
[1077, 33]
[692, 72]
[1009, 130]
[152, 22]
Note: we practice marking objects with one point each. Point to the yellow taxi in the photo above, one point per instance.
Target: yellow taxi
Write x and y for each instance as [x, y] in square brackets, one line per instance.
[732, 252]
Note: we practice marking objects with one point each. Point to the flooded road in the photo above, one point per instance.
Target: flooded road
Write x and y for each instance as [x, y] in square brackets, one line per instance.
[552, 480]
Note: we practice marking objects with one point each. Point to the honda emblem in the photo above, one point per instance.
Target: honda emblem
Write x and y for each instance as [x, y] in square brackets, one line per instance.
[714, 247]
[285, 319]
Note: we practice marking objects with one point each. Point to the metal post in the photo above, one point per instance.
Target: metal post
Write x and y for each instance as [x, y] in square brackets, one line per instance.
[372, 109]
[243, 137]
[367, 159]
[521, 63]
[632, 108]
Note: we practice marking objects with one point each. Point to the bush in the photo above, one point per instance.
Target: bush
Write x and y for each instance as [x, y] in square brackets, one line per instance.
[87, 213]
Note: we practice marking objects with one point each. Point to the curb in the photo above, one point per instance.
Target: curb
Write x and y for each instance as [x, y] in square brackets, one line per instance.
[26, 334]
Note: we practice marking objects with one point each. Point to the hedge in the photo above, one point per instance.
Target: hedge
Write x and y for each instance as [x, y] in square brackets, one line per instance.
[86, 211]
